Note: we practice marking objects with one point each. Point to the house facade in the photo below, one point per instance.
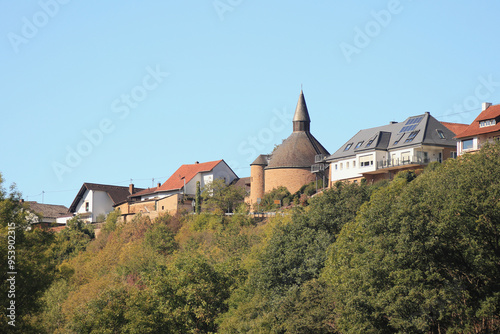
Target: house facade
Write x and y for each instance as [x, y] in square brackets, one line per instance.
[381, 152]
[178, 192]
[485, 128]
[95, 199]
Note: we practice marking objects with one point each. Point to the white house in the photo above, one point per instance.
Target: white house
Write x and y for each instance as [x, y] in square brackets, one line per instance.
[183, 180]
[95, 199]
[485, 128]
[380, 152]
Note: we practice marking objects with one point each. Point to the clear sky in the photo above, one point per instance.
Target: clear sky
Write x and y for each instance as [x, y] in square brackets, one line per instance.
[105, 92]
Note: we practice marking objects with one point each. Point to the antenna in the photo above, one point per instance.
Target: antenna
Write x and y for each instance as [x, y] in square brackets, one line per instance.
[43, 192]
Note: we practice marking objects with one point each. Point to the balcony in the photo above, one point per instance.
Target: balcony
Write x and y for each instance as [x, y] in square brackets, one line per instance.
[318, 158]
[405, 162]
[318, 168]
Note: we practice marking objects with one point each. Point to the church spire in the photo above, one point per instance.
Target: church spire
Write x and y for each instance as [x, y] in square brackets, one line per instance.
[301, 120]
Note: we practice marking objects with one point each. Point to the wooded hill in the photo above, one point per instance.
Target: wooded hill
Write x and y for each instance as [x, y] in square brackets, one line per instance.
[418, 254]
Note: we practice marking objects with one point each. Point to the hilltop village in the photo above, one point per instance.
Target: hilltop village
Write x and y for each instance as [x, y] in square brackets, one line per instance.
[405, 244]
[370, 155]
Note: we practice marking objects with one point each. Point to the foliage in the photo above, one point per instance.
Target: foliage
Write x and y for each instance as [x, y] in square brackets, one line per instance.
[111, 221]
[197, 207]
[418, 254]
[308, 309]
[292, 256]
[220, 197]
[72, 240]
[423, 256]
[281, 193]
[31, 262]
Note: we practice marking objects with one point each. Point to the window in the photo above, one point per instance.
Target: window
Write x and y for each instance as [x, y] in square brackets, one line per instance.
[366, 160]
[405, 157]
[347, 165]
[336, 166]
[398, 138]
[348, 146]
[87, 206]
[411, 136]
[453, 155]
[441, 134]
[488, 122]
[422, 157]
[467, 144]
[370, 141]
[354, 164]
[341, 166]
[358, 145]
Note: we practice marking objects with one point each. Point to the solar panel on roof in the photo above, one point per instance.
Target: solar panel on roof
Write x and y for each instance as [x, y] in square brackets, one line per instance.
[414, 120]
[408, 128]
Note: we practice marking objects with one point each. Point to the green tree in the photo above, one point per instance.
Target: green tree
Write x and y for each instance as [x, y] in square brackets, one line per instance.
[197, 207]
[72, 240]
[292, 256]
[422, 256]
[29, 259]
[220, 197]
[281, 193]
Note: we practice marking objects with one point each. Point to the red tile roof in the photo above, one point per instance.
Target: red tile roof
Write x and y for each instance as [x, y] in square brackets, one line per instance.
[456, 128]
[144, 192]
[474, 129]
[186, 173]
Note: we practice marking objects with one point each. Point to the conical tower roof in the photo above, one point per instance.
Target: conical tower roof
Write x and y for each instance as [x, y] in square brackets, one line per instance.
[300, 148]
[301, 113]
[301, 120]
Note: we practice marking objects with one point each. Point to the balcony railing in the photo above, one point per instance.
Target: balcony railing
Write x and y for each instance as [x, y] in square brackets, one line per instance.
[318, 168]
[318, 158]
[414, 160]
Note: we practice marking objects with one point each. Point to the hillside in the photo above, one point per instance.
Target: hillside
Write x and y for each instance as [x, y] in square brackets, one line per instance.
[418, 254]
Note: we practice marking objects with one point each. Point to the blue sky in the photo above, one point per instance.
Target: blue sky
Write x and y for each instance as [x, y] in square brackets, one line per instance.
[110, 91]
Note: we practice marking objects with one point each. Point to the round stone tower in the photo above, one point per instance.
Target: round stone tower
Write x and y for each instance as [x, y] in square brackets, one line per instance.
[290, 164]
[257, 178]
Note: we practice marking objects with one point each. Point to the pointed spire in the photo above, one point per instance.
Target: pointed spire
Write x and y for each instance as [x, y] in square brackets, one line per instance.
[301, 120]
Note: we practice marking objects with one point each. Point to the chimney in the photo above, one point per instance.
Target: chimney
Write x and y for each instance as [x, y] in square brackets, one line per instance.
[158, 185]
[393, 122]
[196, 162]
[131, 188]
[485, 105]
[21, 200]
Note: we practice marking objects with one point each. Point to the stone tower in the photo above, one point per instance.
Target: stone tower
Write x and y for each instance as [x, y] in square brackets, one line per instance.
[290, 163]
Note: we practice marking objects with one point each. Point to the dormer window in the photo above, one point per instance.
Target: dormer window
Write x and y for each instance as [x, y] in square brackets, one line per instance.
[411, 137]
[348, 146]
[488, 122]
[358, 145]
[398, 138]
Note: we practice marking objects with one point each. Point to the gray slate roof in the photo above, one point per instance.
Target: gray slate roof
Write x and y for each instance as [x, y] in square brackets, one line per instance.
[386, 137]
[262, 160]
